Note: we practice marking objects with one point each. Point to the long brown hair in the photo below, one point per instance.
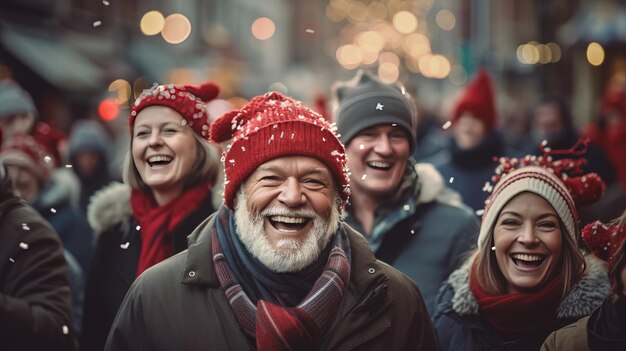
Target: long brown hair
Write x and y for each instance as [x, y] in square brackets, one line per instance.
[571, 265]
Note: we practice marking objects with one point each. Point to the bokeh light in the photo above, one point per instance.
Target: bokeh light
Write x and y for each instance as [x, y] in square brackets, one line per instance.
[595, 54]
[404, 22]
[123, 91]
[263, 28]
[388, 72]
[108, 109]
[445, 20]
[176, 28]
[152, 23]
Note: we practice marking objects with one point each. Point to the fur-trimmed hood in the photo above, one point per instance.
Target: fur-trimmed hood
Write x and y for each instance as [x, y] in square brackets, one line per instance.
[433, 188]
[109, 206]
[584, 297]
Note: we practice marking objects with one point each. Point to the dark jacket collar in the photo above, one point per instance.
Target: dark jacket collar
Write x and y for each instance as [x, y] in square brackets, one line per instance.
[366, 272]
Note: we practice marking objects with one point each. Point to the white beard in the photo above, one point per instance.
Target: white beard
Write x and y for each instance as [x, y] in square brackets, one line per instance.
[289, 255]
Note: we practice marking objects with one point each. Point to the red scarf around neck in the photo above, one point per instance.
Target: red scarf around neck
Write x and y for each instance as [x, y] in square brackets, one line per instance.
[158, 222]
[515, 314]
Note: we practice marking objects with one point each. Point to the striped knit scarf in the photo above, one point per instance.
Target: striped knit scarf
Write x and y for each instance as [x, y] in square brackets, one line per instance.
[297, 328]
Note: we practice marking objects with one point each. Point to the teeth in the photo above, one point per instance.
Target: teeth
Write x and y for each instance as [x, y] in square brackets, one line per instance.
[159, 158]
[528, 258]
[379, 164]
[291, 220]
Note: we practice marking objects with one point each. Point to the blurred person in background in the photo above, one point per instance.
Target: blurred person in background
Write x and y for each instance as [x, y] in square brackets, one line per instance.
[18, 116]
[469, 162]
[53, 193]
[399, 206]
[553, 123]
[89, 146]
[35, 300]
[275, 268]
[527, 276]
[605, 329]
[169, 175]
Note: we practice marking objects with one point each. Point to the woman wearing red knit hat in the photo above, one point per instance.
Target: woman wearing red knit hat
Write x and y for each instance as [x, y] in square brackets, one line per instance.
[527, 277]
[169, 174]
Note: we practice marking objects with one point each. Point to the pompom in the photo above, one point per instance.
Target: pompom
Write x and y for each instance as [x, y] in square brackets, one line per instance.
[586, 189]
[222, 128]
[206, 92]
[597, 238]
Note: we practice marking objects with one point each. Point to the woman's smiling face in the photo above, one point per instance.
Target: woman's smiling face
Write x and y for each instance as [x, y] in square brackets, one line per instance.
[528, 239]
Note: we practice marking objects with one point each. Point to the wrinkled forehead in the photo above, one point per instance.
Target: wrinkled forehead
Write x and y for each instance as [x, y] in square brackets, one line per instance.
[296, 166]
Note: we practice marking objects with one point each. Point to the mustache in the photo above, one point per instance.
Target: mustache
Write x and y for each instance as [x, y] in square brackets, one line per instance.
[282, 211]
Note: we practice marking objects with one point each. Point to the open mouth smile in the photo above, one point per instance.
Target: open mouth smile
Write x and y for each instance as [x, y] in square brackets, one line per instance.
[288, 223]
[380, 165]
[527, 261]
[159, 160]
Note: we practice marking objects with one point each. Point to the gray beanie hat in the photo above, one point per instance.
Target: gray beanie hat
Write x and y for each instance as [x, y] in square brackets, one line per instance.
[365, 101]
[15, 100]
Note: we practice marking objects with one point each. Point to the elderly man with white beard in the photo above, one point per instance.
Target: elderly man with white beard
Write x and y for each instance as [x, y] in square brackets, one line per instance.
[275, 268]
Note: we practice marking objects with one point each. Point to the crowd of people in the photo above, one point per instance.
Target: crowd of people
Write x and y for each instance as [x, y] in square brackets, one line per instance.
[275, 227]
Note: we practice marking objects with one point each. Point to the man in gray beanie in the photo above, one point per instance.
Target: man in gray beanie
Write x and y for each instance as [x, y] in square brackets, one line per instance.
[410, 218]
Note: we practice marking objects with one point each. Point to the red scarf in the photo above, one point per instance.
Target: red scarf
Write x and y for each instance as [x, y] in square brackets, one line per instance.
[158, 222]
[515, 314]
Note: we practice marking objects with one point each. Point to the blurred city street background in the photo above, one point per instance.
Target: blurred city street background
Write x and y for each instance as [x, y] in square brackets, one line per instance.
[88, 59]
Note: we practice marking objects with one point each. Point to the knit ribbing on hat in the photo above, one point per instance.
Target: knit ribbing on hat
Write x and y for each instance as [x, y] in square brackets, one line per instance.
[365, 101]
[188, 100]
[371, 109]
[535, 180]
[271, 126]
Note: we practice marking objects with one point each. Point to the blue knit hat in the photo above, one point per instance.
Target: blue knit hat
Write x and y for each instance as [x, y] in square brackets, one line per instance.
[15, 100]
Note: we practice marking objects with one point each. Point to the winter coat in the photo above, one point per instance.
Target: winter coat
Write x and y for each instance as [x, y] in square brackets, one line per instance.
[35, 301]
[467, 171]
[604, 330]
[460, 326]
[57, 203]
[386, 310]
[425, 235]
[115, 261]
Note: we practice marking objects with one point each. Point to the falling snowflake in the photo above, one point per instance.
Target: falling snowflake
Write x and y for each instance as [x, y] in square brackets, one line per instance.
[480, 212]
[23, 246]
[125, 245]
[105, 2]
[447, 125]
[364, 176]
[310, 31]
[451, 180]
[68, 166]
[379, 106]
[97, 23]
[406, 207]
[65, 330]
[361, 146]
[138, 227]
[12, 260]
[412, 231]
[25, 226]
[53, 210]
[47, 159]
[183, 122]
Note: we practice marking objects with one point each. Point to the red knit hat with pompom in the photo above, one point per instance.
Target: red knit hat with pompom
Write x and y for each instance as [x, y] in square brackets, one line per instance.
[478, 99]
[274, 125]
[188, 100]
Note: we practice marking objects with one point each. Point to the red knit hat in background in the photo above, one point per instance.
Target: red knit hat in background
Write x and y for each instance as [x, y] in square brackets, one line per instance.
[188, 100]
[26, 152]
[478, 99]
[274, 125]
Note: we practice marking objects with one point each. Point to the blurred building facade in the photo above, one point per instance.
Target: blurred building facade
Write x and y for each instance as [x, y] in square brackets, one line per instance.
[72, 54]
